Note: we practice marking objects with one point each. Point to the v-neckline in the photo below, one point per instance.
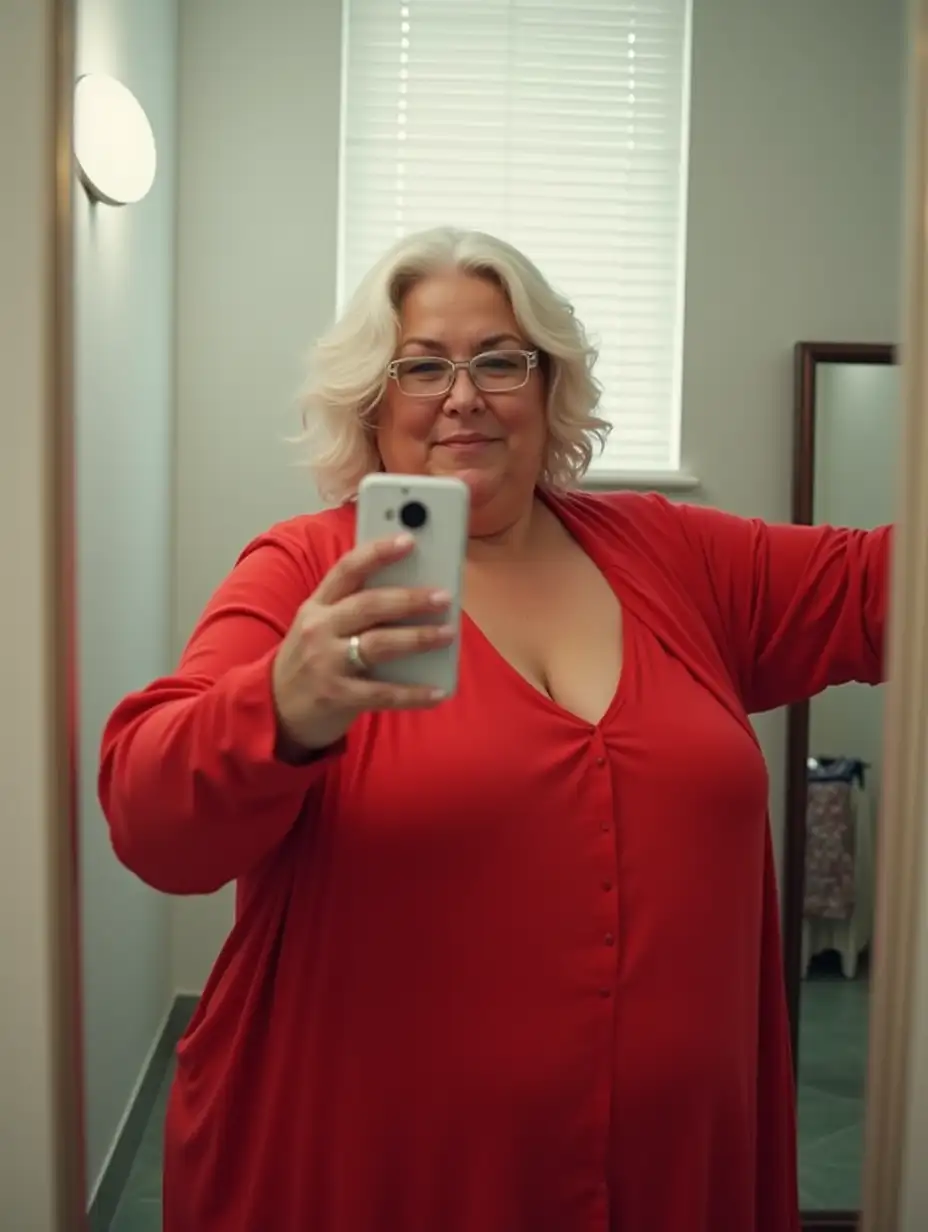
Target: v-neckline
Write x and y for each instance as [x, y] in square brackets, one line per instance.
[588, 546]
[473, 632]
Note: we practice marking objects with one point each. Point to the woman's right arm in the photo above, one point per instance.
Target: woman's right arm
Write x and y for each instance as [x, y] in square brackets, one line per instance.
[203, 773]
[192, 779]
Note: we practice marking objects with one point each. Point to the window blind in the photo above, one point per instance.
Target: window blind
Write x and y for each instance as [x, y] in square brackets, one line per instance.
[558, 125]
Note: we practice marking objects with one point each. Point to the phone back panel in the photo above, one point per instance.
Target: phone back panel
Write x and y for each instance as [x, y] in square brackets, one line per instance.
[436, 561]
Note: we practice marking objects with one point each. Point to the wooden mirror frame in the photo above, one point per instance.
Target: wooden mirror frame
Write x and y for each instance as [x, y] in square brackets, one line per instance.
[808, 355]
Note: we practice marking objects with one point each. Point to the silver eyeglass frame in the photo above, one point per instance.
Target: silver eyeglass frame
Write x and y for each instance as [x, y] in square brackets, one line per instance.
[455, 365]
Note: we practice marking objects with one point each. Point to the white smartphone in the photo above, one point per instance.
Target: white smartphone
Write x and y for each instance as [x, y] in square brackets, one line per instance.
[435, 512]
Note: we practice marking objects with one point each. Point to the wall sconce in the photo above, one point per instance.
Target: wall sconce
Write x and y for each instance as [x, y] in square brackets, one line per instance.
[114, 145]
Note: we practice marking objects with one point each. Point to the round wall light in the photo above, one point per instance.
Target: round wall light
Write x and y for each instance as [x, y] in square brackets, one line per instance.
[113, 142]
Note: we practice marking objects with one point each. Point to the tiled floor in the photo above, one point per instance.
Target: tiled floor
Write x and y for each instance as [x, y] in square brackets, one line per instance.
[140, 1207]
[832, 1061]
[832, 1072]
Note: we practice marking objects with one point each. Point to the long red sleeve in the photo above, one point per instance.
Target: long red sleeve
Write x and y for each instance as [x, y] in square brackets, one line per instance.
[189, 781]
[804, 607]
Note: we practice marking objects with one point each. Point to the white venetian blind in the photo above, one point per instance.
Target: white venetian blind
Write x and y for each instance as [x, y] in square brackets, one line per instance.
[558, 125]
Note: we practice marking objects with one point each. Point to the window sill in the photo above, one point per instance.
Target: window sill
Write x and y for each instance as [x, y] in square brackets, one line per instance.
[640, 481]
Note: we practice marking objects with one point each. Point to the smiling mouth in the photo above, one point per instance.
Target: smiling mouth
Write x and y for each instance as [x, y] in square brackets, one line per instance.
[460, 441]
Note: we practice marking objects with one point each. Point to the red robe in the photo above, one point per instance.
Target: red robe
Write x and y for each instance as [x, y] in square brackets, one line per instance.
[495, 969]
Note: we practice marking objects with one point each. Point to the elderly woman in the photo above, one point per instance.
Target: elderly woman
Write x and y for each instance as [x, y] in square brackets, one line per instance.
[505, 962]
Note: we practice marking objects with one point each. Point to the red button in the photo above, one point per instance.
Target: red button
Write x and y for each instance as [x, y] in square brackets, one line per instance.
[609, 939]
[600, 761]
[607, 885]
[605, 992]
[605, 827]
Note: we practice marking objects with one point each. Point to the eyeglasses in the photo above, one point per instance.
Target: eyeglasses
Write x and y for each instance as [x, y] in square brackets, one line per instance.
[492, 372]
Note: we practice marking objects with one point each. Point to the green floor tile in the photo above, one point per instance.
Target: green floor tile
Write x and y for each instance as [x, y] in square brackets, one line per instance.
[832, 1065]
[821, 1115]
[138, 1216]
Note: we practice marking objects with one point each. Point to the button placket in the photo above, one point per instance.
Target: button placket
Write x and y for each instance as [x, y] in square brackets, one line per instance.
[602, 795]
[599, 824]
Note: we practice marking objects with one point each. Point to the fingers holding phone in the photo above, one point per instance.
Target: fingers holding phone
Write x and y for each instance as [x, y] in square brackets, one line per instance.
[381, 631]
[320, 674]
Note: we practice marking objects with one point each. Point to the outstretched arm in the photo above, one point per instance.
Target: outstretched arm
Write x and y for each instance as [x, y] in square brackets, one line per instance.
[804, 606]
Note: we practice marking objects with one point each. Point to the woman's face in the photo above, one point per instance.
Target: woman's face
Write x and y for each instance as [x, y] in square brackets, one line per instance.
[495, 442]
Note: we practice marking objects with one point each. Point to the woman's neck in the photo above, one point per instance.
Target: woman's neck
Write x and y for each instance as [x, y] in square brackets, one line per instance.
[509, 538]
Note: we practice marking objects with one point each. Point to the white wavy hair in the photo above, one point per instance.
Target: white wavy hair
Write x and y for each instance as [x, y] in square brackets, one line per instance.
[349, 363]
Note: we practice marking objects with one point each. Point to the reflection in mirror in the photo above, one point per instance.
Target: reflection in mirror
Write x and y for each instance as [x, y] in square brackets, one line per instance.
[339, 993]
[847, 463]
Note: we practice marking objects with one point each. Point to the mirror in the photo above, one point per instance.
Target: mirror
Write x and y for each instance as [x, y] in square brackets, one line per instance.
[628, 148]
[847, 422]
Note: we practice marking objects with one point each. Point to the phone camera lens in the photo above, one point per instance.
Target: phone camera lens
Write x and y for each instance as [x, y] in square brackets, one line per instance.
[414, 515]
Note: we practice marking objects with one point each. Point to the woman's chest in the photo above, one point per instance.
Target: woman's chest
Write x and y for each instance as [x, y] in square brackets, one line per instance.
[501, 767]
[558, 625]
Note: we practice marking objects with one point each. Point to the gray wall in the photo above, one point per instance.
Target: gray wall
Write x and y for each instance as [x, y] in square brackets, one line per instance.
[124, 413]
[794, 232]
